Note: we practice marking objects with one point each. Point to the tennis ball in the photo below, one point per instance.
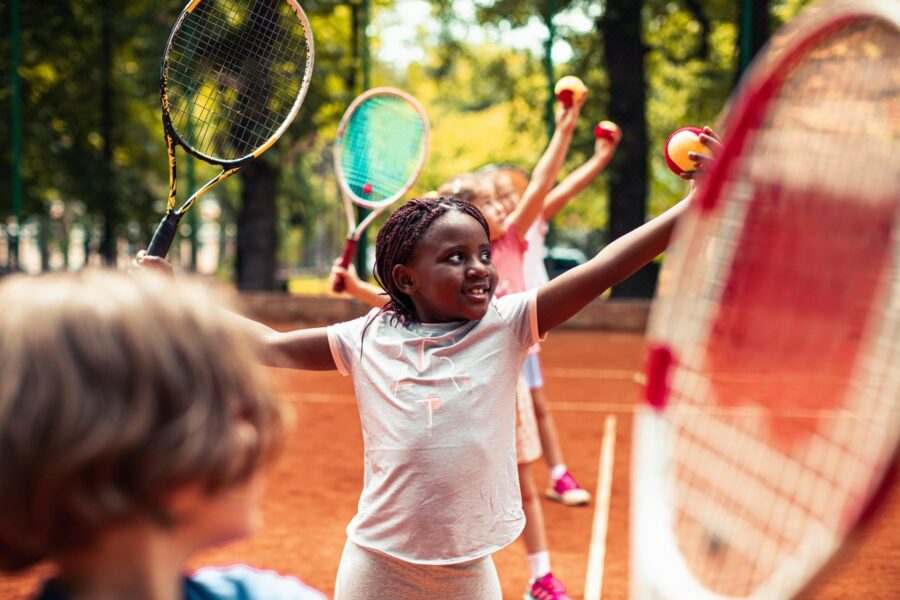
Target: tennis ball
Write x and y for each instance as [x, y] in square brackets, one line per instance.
[680, 142]
[367, 188]
[570, 88]
[608, 130]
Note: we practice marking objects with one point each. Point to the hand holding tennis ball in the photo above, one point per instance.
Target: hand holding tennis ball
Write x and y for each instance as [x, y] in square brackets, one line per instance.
[608, 130]
[570, 89]
[688, 148]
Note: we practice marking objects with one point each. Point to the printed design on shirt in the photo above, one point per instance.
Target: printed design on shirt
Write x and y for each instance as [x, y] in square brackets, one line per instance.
[440, 373]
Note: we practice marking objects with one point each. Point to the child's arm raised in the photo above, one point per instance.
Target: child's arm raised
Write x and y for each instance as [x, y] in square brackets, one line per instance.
[306, 349]
[561, 298]
[545, 172]
[576, 181]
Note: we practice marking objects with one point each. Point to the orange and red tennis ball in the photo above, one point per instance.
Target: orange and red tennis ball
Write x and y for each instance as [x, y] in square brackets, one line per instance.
[681, 142]
[608, 130]
[568, 89]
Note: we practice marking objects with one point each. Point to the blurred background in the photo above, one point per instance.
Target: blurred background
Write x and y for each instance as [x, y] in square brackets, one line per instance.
[83, 175]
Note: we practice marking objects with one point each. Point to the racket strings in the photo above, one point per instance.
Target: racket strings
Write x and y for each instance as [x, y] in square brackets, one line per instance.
[252, 51]
[784, 398]
[234, 73]
[381, 148]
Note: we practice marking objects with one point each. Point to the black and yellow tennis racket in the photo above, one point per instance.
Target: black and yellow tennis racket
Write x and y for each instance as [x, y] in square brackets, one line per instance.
[234, 75]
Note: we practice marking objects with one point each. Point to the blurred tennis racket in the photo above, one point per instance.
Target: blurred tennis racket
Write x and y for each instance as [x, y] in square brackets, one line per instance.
[234, 75]
[379, 151]
[773, 385]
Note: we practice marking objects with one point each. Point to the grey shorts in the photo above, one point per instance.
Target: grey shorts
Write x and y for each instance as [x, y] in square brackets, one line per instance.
[368, 575]
[531, 371]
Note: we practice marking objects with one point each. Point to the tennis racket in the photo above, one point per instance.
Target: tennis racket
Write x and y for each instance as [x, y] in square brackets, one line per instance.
[772, 384]
[234, 75]
[380, 149]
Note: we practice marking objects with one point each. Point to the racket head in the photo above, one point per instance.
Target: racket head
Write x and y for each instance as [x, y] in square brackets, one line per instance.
[234, 75]
[381, 146]
[773, 396]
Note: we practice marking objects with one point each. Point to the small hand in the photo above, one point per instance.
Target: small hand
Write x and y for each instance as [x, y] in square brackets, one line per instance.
[608, 139]
[711, 140]
[347, 275]
[157, 263]
[567, 116]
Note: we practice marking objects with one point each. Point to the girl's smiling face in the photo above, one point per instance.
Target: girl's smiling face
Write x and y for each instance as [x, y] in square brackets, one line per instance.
[449, 276]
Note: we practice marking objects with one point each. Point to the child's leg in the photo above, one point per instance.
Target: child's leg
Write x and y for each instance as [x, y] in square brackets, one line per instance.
[543, 584]
[563, 487]
[534, 535]
[553, 454]
[367, 575]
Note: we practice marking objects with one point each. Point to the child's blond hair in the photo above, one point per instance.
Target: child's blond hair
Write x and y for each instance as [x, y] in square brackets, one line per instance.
[114, 391]
[468, 187]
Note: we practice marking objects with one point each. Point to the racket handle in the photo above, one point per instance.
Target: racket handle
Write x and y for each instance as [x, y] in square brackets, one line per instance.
[346, 257]
[164, 235]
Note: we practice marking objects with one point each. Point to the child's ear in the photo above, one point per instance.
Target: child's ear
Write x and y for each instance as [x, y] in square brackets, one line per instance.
[403, 279]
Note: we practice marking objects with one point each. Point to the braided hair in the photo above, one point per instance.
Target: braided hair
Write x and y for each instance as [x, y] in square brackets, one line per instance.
[398, 238]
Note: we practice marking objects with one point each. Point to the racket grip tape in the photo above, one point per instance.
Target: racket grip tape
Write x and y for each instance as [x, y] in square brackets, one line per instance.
[346, 257]
[164, 235]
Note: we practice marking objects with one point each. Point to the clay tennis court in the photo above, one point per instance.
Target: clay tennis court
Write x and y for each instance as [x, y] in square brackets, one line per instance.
[590, 377]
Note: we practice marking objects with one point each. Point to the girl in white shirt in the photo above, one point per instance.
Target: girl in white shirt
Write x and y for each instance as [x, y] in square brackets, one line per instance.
[435, 373]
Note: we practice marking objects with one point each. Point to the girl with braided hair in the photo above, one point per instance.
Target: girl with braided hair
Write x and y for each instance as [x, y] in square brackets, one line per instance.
[435, 372]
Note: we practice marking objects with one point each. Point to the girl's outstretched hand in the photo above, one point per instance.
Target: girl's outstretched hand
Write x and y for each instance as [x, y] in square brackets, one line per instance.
[567, 116]
[605, 145]
[142, 259]
[711, 140]
[351, 280]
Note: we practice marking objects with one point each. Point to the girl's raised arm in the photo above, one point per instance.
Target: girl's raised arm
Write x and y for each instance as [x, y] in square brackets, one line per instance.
[561, 298]
[576, 181]
[545, 172]
[306, 349]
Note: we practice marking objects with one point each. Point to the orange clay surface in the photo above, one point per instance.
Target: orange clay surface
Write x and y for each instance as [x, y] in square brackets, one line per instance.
[313, 489]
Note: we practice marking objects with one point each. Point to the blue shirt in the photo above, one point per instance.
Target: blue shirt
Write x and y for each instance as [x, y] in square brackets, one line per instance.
[239, 582]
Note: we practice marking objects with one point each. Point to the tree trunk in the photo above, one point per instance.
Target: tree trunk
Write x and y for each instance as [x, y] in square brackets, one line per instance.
[257, 235]
[107, 200]
[624, 51]
[753, 30]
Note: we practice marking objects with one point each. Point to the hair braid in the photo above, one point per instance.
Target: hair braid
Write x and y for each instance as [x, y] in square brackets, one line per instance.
[398, 238]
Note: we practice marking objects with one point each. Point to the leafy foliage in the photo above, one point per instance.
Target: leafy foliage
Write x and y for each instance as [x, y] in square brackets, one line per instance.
[486, 103]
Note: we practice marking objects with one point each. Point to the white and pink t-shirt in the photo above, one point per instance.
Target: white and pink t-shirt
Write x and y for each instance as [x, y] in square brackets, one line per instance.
[437, 407]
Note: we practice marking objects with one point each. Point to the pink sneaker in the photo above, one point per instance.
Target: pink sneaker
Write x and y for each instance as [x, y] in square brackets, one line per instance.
[566, 490]
[547, 587]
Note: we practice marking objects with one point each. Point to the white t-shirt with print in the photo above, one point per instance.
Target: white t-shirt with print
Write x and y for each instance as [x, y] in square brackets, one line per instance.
[437, 407]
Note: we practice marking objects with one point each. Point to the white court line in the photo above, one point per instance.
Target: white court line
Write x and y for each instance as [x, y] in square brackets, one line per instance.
[593, 583]
[569, 373]
[594, 407]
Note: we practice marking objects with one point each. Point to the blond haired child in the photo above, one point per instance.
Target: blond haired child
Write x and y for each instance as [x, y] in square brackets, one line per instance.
[510, 185]
[134, 425]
